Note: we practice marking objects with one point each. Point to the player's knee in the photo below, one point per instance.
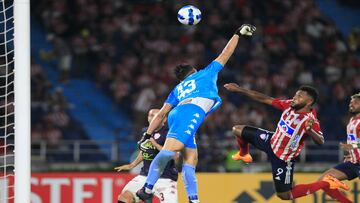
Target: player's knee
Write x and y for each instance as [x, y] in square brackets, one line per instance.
[237, 130]
[284, 195]
[126, 197]
[192, 161]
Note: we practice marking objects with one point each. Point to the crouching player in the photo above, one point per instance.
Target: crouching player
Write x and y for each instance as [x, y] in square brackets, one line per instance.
[165, 189]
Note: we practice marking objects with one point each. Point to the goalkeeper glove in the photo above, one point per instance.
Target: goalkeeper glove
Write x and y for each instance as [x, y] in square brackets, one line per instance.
[145, 137]
[142, 146]
[245, 29]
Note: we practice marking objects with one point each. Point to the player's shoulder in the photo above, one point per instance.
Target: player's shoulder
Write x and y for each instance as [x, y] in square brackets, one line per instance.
[356, 118]
[213, 66]
[313, 114]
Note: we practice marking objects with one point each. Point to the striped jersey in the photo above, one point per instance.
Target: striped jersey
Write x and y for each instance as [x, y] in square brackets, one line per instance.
[353, 137]
[290, 134]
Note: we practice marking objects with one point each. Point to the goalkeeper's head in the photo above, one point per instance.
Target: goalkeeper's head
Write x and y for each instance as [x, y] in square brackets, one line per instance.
[184, 70]
[354, 106]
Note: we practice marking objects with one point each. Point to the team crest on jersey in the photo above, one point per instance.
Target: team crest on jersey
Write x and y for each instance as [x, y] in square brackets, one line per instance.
[156, 136]
[264, 136]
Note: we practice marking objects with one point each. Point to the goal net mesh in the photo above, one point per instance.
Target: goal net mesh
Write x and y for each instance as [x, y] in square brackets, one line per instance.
[7, 146]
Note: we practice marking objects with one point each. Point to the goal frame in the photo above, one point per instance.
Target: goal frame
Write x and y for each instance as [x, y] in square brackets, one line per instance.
[22, 84]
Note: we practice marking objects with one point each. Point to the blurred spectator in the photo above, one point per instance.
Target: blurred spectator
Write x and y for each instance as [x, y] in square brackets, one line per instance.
[62, 53]
[354, 39]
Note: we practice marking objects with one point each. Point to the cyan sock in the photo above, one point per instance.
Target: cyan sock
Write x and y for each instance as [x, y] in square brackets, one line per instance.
[157, 167]
[190, 182]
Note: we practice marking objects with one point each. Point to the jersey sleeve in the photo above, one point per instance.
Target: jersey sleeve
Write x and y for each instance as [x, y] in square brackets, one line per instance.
[214, 67]
[172, 99]
[316, 127]
[281, 104]
[358, 130]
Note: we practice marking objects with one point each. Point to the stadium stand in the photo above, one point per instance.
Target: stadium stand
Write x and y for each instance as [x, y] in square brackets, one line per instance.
[121, 49]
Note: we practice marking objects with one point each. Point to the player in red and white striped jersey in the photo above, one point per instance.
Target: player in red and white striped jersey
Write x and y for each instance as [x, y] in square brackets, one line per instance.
[291, 132]
[350, 168]
[298, 121]
[353, 131]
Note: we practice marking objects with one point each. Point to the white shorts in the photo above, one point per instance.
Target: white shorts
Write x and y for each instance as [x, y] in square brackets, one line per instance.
[165, 189]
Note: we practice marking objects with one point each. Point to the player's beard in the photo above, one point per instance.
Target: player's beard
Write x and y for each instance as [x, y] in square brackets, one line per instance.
[297, 107]
[355, 112]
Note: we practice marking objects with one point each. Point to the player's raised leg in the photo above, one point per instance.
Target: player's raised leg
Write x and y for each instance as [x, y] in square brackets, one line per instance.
[327, 183]
[243, 153]
[188, 173]
[343, 171]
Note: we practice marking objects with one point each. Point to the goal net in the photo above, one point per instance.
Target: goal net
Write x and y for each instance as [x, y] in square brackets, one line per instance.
[7, 156]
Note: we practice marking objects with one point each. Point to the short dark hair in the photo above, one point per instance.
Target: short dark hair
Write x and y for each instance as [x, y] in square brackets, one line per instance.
[356, 96]
[182, 70]
[311, 91]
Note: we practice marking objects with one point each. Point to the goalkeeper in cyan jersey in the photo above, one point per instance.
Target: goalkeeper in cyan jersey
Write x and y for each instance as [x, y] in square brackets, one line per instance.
[186, 107]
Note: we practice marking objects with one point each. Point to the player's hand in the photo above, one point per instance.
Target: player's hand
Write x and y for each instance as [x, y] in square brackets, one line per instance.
[123, 167]
[245, 29]
[309, 124]
[347, 158]
[153, 141]
[144, 137]
[142, 146]
[346, 147]
[232, 87]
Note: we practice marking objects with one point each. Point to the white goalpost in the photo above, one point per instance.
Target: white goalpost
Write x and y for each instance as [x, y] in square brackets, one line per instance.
[22, 100]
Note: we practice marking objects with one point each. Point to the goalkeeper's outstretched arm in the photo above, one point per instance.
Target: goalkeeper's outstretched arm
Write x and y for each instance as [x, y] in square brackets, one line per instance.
[226, 53]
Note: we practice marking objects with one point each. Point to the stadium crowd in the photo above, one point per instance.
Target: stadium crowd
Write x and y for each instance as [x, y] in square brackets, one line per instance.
[50, 119]
[131, 49]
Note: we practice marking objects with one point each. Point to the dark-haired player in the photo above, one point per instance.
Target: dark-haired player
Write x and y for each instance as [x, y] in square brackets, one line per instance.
[186, 106]
[298, 121]
[350, 169]
[166, 188]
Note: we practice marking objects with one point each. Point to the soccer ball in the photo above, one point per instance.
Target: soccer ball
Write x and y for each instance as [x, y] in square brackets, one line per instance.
[189, 15]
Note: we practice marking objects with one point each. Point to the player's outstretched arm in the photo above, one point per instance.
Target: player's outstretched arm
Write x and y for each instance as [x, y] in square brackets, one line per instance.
[257, 96]
[226, 53]
[158, 118]
[133, 164]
